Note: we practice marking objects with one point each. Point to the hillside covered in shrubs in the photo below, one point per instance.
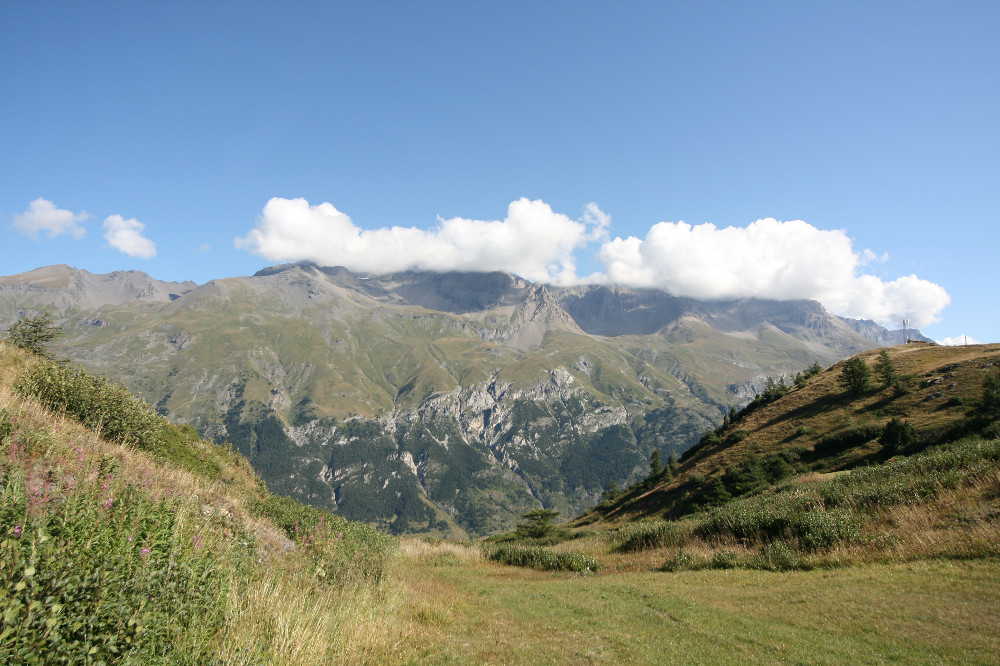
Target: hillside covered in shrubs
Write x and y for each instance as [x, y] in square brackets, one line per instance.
[889, 455]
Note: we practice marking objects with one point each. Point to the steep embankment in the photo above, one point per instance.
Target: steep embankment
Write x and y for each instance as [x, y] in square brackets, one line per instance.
[123, 537]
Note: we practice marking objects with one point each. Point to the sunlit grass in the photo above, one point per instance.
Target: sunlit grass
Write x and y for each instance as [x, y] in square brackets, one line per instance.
[925, 612]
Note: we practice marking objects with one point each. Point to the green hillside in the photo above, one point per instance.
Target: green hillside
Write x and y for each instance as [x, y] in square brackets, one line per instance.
[126, 538]
[823, 473]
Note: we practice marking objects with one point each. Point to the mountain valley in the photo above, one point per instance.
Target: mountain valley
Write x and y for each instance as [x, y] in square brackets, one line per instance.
[443, 404]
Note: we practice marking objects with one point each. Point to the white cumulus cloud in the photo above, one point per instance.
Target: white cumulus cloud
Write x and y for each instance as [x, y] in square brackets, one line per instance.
[532, 240]
[766, 259]
[43, 216]
[125, 235]
[959, 340]
[769, 259]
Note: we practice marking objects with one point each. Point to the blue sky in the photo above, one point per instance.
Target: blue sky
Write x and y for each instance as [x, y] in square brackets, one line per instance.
[567, 141]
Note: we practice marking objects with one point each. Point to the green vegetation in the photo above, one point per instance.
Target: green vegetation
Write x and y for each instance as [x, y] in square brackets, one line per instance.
[882, 524]
[124, 538]
[648, 535]
[935, 611]
[92, 566]
[34, 333]
[885, 369]
[539, 557]
[798, 482]
[855, 376]
[800, 525]
[539, 524]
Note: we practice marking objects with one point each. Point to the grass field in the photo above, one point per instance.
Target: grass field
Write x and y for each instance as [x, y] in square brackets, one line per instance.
[462, 609]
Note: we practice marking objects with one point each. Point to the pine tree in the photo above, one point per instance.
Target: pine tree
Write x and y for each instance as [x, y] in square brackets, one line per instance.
[655, 463]
[855, 376]
[884, 369]
[34, 333]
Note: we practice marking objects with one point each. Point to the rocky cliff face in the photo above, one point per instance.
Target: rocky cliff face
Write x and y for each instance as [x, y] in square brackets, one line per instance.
[440, 403]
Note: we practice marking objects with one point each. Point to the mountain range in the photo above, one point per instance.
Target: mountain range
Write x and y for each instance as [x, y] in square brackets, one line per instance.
[441, 403]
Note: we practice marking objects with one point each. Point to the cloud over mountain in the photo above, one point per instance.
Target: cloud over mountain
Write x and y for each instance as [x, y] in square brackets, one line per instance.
[766, 259]
[532, 240]
[769, 259]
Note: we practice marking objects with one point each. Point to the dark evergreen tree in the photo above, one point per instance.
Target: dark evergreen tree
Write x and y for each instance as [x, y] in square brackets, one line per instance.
[885, 370]
[655, 463]
[990, 406]
[538, 524]
[855, 376]
[897, 435]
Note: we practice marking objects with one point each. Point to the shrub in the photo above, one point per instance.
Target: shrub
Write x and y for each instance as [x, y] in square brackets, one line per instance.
[114, 413]
[543, 559]
[34, 333]
[683, 560]
[778, 556]
[821, 530]
[110, 574]
[539, 524]
[897, 435]
[847, 439]
[735, 437]
[94, 401]
[647, 536]
[724, 559]
[714, 493]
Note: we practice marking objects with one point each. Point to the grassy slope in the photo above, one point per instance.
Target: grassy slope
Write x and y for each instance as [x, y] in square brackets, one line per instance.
[115, 553]
[799, 420]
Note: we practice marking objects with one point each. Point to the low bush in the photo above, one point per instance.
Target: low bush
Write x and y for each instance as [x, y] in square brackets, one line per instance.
[94, 401]
[847, 439]
[778, 556]
[543, 559]
[93, 569]
[685, 561]
[724, 559]
[111, 411]
[648, 536]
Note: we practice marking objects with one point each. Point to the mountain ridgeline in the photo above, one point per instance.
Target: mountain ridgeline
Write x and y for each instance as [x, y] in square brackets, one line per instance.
[446, 404]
